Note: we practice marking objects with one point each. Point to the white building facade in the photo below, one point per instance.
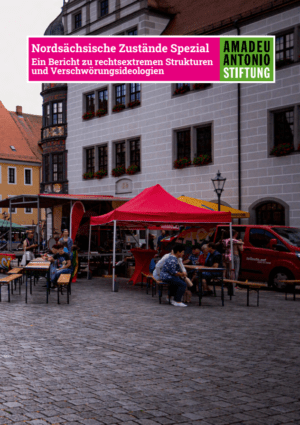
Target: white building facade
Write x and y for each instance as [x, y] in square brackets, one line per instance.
[236, 128]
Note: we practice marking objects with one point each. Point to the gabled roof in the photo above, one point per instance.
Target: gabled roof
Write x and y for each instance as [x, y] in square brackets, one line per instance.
[22, 131]
[156, 205]
[202, 16]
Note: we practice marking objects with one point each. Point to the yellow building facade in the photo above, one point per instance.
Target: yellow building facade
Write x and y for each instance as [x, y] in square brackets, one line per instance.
[19, 179]
[20, 161]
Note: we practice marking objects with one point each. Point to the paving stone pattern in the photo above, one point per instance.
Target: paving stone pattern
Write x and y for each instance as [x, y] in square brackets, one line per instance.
[121, 358]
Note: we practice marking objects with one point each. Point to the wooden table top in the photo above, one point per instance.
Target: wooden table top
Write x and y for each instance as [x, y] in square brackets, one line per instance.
[202, 267]
[39, 266]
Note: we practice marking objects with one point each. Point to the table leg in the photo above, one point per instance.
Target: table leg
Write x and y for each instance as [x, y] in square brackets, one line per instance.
[48, 286]
[222, 292]
[200, 288]
[68, 301]
[8, 289]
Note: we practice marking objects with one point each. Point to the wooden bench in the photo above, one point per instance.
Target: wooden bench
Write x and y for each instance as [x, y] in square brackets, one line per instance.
[9, 280]
[288, 284]
[250, 287]
[150, 281]
[160, 285]
[17, 270]
[64, 280]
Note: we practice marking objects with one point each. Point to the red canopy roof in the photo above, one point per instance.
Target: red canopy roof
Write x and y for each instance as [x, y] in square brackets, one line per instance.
[155, 205]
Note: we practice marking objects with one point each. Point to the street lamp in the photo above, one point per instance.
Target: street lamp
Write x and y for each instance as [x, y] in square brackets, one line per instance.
[219, 183]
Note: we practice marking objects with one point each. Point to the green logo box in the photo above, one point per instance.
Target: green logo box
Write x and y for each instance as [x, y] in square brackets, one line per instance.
[248, 59]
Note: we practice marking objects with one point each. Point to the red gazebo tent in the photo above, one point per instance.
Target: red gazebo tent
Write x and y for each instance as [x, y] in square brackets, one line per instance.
[155, 206]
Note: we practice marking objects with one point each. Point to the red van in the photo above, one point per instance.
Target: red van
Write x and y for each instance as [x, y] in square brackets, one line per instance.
[271, 253]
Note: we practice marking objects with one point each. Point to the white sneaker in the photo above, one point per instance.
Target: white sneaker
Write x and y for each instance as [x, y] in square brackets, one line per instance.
[167, 298]
[176, 304]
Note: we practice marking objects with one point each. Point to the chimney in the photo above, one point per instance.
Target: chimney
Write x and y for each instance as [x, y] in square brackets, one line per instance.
[19, 110]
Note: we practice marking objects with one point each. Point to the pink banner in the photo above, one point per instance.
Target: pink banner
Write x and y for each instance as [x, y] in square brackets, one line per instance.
[123, 59]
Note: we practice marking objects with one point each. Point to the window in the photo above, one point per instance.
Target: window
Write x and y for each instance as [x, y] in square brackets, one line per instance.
[28, 210]
[11, 175]
[120, 154]
[120, 93]
[13, 148]
[13, 210]
[260, 238]
[57, 167]
[133, 31]
[203, 140]
[57, 113]
[90, 160]
[184, 144]
[180, 85]
[47, 168]
[90, 102]
[103, 7]
[77, 20]
[285, 49]
[102, 157]
[47, 114]
[284, 127]
[27, 176]
[270, 213]
[135, 92]
[135, 153]
[102, 99]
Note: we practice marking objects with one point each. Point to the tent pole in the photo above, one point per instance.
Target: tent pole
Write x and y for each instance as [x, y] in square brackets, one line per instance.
[147, 238]
[114, 256]
[70, 230]
[231, 250]
[89, 252]
[39, 220]
[10, 226]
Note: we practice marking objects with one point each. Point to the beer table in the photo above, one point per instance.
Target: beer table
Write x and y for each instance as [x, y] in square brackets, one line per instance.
[202, 269]
[40, 268]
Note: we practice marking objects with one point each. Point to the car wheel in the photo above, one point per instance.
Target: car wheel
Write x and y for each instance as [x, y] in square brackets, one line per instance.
[278, 275]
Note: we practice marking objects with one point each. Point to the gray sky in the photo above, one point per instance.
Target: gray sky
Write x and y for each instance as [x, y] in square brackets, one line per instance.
[20, 18]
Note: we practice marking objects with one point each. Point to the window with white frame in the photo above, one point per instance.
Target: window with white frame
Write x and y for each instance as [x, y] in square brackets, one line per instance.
[28, 176]
[12, 210]
[11, 178]
[28, 210]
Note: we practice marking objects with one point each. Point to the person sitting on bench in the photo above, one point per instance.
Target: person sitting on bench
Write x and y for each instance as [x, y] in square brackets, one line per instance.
[64, 265]
[171, 273]
[214, 259]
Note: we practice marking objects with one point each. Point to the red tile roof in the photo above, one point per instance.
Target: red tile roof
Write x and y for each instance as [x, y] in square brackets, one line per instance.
[21, 131]
[203, 16]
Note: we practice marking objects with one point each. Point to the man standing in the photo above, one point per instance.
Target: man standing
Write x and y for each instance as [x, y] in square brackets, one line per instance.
[171, 273]
[29, 246]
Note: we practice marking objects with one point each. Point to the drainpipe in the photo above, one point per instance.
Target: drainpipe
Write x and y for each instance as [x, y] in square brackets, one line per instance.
[236, 24]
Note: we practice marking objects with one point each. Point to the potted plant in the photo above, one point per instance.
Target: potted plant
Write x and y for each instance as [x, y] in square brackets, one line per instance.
[100, 173]
[183, 89]
[88, 115]
[88, 176]
[101, 112]
[282, 149]
[132, 169]
[118, 108]
[134, 103]
[200, 86]
[202, 159]
[118, 171]
[182, 163]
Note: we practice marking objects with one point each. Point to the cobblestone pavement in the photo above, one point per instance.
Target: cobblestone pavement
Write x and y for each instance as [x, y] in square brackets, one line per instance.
[121, 358]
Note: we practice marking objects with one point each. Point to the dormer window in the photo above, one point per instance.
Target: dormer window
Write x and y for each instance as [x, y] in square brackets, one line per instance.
[13, 148]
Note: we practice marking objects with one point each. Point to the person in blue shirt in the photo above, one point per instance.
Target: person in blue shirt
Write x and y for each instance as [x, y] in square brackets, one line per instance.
[213, 259]
[171, 273]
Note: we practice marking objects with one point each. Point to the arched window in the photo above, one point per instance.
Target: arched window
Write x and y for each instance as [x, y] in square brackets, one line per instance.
[270, 213]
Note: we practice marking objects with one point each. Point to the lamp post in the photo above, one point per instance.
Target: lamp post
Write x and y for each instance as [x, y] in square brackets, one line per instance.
[219, 183]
